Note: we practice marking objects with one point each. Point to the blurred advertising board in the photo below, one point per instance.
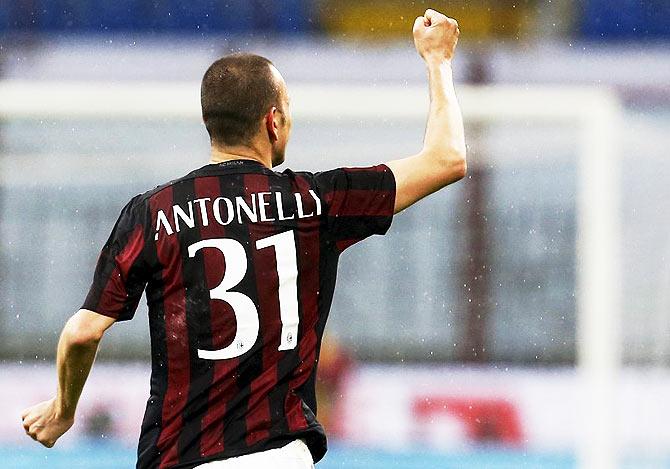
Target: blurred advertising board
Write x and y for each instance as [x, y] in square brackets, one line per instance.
[446, 408]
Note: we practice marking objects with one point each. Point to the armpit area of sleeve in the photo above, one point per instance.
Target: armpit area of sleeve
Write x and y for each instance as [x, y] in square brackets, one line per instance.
[114, 308]
[352, 233]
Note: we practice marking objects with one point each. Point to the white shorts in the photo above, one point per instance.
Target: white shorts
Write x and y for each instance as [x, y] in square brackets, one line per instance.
[294, 455]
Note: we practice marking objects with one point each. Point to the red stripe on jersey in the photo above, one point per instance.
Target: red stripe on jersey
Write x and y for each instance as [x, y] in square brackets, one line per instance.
[113, 291]
[308, 275]
[176, 333]
[358, 203]
[113, 297]
[222, 320]
[258, 418]
[132, 249]
[345, 243]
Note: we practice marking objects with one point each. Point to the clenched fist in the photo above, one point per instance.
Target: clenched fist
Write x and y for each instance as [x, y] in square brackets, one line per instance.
[43, 424]
[435, 36]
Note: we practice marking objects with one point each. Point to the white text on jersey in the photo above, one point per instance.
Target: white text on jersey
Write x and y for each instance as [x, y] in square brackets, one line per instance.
[226, 210]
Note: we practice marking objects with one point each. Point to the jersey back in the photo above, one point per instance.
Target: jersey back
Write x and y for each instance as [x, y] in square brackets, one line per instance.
[239, 265]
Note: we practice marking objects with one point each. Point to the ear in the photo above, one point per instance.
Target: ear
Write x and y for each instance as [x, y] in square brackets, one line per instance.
[272, 125]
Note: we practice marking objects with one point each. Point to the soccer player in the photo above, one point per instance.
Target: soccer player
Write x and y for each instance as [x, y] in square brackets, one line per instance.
[239, 264]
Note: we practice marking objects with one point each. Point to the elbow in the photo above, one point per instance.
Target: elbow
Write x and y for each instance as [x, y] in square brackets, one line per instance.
[459, 166]
[79, 334]
[453, 165]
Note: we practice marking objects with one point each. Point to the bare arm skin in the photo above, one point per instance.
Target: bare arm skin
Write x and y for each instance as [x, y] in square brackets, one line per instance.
[49, 420]
[442, 159]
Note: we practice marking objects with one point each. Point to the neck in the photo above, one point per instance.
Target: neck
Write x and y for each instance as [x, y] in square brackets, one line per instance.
[220, 154]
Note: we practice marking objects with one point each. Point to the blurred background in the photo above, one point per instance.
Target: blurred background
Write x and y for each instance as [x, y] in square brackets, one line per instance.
[452, 340]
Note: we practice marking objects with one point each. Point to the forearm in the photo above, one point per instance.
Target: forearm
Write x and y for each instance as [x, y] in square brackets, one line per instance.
[76, 353]
[445, 135]
[442, 158]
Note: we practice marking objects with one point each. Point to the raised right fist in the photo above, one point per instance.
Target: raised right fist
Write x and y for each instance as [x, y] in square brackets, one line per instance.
[435, 36]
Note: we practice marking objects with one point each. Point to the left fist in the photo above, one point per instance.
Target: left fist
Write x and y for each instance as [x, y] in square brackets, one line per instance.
[43, 423]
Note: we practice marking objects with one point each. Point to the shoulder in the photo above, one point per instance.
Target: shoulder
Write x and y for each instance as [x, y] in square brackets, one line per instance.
[300, 179]
[330, 173]
[341, 178]
[289, 173]
[138, 206]
[142, 200]
[353, 177]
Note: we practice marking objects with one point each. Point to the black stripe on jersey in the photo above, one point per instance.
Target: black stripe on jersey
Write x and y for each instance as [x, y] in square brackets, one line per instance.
[199, 329]
[327, 269]
[136, 273]
[147, 450]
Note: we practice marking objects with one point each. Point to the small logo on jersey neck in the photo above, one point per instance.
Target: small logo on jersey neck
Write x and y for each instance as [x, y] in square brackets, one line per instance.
[235, 163]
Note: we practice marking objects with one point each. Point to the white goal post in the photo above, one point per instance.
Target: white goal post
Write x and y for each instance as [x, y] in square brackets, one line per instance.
[595, 113]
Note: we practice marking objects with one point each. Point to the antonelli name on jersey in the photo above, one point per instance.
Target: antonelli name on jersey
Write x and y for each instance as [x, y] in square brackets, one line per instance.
[224, 210]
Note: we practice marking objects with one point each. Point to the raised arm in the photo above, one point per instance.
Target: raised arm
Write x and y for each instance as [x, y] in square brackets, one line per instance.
[47, 421]
[442, 159]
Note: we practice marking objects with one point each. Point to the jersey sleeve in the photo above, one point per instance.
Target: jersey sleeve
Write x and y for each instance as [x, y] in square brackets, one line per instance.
[359, 202]
[120, 274]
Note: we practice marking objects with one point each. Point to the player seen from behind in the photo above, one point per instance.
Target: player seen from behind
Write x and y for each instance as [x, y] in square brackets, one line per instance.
[238, 263]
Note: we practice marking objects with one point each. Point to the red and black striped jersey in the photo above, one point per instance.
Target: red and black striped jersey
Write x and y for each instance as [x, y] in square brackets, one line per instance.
[239, 265]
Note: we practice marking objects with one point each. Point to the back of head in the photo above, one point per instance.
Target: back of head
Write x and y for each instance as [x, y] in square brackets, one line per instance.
[236, 91]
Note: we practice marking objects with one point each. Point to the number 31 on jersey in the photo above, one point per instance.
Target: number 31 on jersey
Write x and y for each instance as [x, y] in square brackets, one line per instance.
[244, 308]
